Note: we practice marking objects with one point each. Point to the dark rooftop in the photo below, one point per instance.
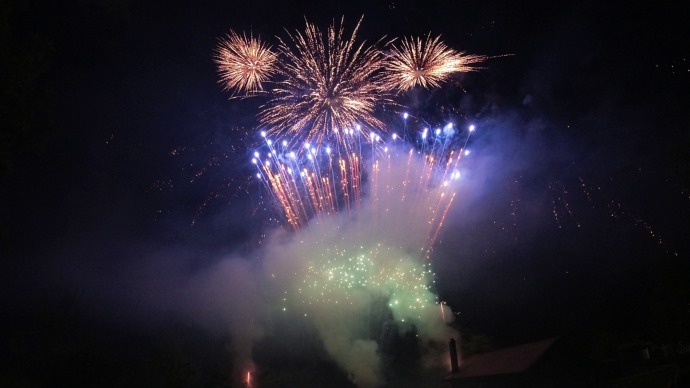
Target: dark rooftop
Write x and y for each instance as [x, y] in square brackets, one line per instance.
[515, 359]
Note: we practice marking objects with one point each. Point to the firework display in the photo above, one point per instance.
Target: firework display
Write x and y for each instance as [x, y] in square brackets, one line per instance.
[366, 205]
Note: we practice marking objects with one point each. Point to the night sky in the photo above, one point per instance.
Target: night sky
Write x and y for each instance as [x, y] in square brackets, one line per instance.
[126, 168]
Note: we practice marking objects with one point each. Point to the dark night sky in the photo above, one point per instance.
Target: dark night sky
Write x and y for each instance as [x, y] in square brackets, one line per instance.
[126, 166]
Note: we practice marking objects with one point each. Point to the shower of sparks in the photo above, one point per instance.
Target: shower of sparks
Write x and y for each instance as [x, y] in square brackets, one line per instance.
[311, 182]
[425, 62]
[338, 276]
[329, 84]
[244, 63]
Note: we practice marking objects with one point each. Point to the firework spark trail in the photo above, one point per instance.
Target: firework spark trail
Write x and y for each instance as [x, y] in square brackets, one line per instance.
[299, 183]
[425, 62]
[443, 201]
[303, 182]
[244, 63]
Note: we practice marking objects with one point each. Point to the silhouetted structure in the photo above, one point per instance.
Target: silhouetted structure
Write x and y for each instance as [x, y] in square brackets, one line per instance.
[454, 367]
[537, 364]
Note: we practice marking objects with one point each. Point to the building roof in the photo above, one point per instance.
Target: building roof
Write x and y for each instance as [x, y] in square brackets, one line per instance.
[515, 359]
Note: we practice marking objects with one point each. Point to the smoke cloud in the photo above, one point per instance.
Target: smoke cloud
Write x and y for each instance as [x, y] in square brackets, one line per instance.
[359, 278]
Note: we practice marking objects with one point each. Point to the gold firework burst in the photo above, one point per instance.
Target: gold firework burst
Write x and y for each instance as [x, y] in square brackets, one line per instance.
[424, 62]
[329, 84]
[244, 63]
